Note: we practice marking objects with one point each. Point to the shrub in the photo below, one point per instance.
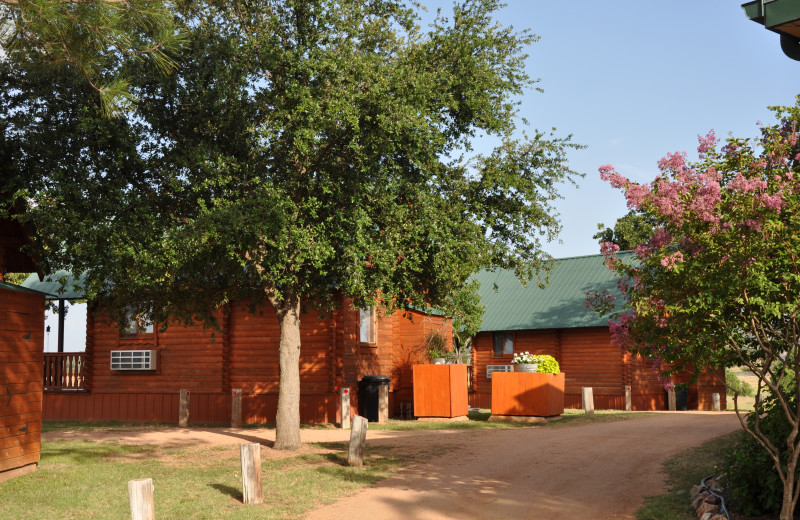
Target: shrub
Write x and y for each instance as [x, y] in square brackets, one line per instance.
[547, 365]
[753, 483]
[734, 383]
[749, 474]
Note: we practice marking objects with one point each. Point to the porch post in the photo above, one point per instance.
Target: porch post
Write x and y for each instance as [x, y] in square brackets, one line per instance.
[61, 325]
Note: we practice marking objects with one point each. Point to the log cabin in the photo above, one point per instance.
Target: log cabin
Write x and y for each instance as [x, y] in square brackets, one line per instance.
[137, 374]
[21, 362]
[556, 321]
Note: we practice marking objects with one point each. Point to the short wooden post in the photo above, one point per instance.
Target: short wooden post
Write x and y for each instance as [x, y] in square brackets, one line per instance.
[183, 410]
[587, 398]
[141, 497]
[716, 401]
[252, 492]
[628, 403]
[383, 404]
[671, 402]
[344, 406]
[236, 408]
[358, 441]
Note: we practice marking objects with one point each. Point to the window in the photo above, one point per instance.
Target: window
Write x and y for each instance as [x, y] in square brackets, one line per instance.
[503, 344]
[136, 324]
[367, 326]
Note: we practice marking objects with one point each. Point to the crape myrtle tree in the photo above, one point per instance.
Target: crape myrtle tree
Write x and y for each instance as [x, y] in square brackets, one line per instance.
[718, 282]
[302, 150]
[95, 38]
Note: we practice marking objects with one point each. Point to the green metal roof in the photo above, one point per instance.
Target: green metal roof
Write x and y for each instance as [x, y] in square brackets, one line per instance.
[18, 288]
[560, 305]
[53, 288]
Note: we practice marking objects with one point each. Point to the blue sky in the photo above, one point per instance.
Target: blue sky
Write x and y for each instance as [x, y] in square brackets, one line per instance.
[634, 80]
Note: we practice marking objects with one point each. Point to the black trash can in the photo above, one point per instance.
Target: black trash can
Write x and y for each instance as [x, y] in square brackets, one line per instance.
[681, 400]
[368, 396]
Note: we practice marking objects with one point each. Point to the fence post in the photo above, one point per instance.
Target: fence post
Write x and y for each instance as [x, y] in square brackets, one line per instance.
[252, 491]
[358, 441]
[672, 404]
[236, 408]
[588, 400]
[715, 399]
[344, 406]
[383, 404]
[183, 410]
[141, 497]
[628, 403]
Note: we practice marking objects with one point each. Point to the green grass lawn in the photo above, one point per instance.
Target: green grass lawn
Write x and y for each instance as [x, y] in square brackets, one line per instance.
[685, 470]
[79, 480]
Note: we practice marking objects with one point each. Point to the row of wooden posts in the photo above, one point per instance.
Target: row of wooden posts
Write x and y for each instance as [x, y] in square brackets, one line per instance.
[236, 407]
[141, 492]
[587, 400]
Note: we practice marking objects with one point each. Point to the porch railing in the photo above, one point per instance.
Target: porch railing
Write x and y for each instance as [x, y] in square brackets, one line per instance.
[64, 371]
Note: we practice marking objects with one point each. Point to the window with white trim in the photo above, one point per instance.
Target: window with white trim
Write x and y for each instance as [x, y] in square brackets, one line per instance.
[367, 325]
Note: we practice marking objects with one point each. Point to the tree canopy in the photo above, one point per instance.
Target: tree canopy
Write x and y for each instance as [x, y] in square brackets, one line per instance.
[629, 231]
[301, 147]
[95, 37]
[718, 282]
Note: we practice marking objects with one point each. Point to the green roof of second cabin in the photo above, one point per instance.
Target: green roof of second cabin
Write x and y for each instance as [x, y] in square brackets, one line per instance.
[60, 285]
[560, 305]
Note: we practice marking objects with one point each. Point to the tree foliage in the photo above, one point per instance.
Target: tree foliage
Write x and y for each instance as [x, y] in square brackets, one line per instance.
[629, 231]
[718, 282]
[95, 37]
[302, 148]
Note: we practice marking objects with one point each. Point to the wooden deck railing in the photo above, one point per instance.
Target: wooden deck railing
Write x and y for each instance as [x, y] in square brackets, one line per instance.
[64, 371]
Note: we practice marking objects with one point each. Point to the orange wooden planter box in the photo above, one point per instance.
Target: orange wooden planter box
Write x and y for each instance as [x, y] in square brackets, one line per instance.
[440, 390]
[527, 393]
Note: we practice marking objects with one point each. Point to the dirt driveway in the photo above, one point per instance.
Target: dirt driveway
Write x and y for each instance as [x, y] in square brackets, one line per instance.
[599, 470]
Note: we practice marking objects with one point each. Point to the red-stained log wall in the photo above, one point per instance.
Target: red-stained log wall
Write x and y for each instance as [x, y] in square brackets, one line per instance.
[21, 377]
[588, 358]
[243, 356]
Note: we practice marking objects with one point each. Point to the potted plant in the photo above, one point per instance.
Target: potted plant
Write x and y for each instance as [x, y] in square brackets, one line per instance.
[436, 347]
[543, 364]
[525, 362]
[547, 365]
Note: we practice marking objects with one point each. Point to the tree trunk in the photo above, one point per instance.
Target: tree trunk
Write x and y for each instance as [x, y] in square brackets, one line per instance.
[287, 422]
[788, 505]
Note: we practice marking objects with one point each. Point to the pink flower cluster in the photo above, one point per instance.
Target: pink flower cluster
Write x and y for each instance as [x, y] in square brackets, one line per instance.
[742, 184]
[608, 248]
[620, 335]
[707, 143]
[660, 238]
[673, 163]
[771, 202]
[609, 174]
[671, 261]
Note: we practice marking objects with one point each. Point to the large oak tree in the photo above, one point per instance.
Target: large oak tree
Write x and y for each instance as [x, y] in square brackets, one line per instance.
[303, 147]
